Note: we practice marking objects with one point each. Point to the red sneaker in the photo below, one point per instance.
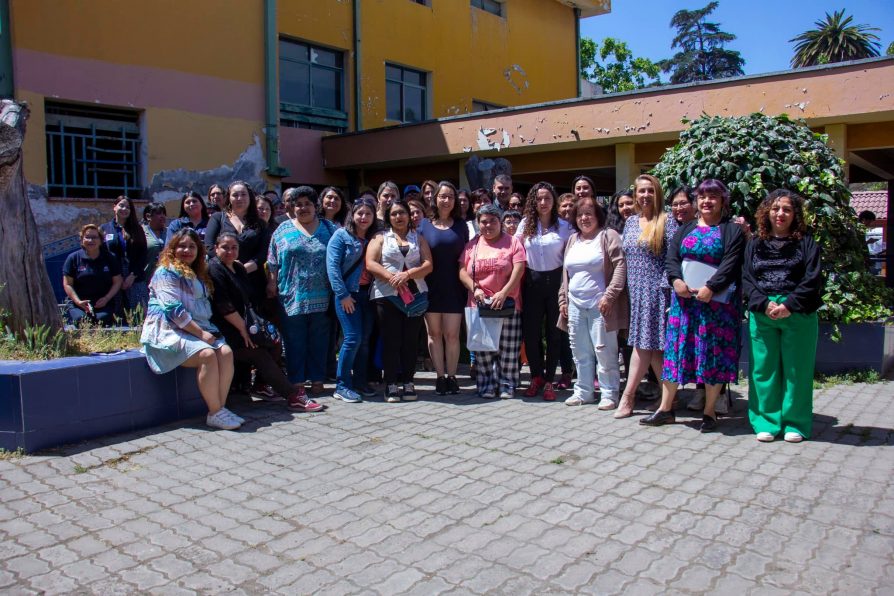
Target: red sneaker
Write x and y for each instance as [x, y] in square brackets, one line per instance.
[534, 388]
[564, 382]
[299, 402]
[549, 394]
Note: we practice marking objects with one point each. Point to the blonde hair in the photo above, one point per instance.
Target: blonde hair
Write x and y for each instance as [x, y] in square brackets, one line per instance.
[652, 234]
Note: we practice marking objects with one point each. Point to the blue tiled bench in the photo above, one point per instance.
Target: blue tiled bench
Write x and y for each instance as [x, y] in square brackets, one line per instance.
[49, 403]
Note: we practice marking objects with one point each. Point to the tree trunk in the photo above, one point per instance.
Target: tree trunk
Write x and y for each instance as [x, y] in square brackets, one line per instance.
[26, 292]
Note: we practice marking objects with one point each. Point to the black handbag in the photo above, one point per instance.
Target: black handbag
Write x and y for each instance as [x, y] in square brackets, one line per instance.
[486, 312]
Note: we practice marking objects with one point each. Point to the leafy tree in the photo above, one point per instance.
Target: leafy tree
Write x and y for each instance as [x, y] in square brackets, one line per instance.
[702, 56]
[612, 65]
[890, 50]
[756, 154]
[835, 40]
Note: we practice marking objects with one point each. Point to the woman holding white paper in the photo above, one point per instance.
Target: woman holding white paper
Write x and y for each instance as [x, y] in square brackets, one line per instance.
[704, 265]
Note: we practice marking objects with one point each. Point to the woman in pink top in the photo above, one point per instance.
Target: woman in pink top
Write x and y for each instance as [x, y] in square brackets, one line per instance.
[491, 267]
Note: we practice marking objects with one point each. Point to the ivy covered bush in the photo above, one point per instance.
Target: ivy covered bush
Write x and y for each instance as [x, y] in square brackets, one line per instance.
[756, 154]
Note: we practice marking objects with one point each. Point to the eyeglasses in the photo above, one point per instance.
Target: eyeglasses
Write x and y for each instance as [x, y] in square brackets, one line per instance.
[446, 197]
[515, 205]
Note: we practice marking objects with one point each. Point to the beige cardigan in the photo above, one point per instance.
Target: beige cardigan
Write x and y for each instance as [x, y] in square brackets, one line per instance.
[615, 268]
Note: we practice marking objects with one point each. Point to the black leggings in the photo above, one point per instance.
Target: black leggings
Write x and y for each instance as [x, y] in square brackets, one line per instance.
[540, 306]
[400, 342]
[269, 367]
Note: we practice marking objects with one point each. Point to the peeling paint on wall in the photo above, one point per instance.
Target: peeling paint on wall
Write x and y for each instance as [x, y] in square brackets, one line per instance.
[517, 78]
[59, 218]
[249, 167]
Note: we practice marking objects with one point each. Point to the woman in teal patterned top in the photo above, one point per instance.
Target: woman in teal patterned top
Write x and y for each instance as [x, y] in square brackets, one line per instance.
[296, 264]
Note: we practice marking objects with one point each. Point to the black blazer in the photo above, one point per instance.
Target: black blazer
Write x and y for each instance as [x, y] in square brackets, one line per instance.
[807, 295]
[730, 268]
[231, 289]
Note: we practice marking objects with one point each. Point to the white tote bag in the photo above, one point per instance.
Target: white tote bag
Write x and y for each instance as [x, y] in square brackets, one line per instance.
[483, 333]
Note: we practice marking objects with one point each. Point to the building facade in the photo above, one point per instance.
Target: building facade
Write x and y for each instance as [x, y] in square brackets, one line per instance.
[151, 99]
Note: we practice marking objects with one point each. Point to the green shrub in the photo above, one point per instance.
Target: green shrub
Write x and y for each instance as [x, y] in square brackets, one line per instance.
[756, 154]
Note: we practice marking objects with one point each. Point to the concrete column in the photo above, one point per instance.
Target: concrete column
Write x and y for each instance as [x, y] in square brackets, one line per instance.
[463, 179]
[838, 143]
[625, 166]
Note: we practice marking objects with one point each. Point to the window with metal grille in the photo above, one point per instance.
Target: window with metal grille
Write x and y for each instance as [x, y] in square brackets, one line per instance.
[491, 6]
[92, 153]
[406, 94]
[311, 87]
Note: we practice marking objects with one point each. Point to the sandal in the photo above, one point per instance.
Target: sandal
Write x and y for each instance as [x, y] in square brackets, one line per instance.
[625, 408]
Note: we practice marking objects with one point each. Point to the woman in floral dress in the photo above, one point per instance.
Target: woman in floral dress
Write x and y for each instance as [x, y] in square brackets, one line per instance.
[646, 238]
[704, 322]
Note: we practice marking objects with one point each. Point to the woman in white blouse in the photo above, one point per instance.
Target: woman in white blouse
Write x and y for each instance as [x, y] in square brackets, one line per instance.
[544, 235]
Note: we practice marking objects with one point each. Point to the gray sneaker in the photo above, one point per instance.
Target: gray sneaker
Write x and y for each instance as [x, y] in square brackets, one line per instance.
[222, 419]
[347, 395]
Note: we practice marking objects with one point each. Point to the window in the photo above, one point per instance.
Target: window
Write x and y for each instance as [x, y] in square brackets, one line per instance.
[406, 94]
[311, 87]
[92, 153]
[422, 2]
[483, 106]
[491, 6]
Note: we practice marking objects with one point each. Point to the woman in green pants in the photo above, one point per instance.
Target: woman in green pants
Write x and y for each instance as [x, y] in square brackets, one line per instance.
[782, 283]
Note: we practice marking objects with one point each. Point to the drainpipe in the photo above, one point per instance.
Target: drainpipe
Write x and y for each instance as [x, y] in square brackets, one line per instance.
[358, 102]
[7, 88]
[577, 48]
[271, 93]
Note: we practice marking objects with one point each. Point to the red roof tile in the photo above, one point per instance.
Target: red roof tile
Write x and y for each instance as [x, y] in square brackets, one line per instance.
[873, 200]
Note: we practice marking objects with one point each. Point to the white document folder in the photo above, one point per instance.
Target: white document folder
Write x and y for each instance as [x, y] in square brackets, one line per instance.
[696, 275]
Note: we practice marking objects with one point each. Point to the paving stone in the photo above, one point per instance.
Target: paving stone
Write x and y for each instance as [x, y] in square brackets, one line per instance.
[458, 496]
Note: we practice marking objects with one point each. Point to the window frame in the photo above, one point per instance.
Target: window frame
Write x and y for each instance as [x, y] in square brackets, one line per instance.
[81, 150]
[494, 7]
[425, 88]
[296, 115]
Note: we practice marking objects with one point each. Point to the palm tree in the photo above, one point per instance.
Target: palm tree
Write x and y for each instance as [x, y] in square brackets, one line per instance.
[835, 40]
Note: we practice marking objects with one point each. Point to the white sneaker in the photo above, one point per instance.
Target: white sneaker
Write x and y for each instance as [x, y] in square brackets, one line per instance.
[233, 415]
[765, 437]
[507, 393]
[793, 438]
[698, 400]
[576, 400]
[607, 404]
[220, 420]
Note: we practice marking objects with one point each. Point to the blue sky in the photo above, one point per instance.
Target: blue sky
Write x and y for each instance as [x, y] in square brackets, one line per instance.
[762, 27]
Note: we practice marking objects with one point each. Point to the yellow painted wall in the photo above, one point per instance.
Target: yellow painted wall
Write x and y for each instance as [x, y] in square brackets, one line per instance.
[177, 139]
[466, 50]
[35, 147]
[222, 38]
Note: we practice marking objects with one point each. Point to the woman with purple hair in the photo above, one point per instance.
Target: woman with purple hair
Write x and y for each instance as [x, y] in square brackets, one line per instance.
[704, 266]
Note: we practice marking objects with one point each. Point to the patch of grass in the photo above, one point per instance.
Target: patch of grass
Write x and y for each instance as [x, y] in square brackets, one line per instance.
[79, 469]
[868, 376]
[114, 462]
[558, 461]
[6, 455]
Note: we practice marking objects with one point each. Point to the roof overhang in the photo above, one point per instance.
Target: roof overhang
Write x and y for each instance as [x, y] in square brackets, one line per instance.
[589, 8]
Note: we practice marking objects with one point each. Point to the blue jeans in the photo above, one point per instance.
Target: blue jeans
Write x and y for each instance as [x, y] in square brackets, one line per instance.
[356, 328]
[306, 341]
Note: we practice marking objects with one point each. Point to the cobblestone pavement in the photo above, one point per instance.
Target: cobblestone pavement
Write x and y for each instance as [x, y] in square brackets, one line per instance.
[460, 495]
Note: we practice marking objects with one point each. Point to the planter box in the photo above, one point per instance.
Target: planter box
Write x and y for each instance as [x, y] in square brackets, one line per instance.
[49, 403]
[862, 346]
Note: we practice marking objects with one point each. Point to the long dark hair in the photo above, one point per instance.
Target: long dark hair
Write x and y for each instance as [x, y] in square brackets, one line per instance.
[357, 206]
[531, 216]
[133, 231]
[456, 212]
[398, 202]
[343, 210]
[798, 227]
[614, 219]
[193, 194]
[252, 219]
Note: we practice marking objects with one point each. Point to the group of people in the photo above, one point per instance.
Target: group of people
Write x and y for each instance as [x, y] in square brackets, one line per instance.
[570, 280]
